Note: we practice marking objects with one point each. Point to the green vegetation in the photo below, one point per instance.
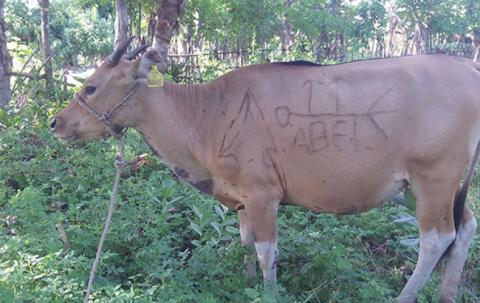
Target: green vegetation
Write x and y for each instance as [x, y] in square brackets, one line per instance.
[168, 242]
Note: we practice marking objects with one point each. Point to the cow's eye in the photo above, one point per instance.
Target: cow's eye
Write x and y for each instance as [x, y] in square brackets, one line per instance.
[89, 90]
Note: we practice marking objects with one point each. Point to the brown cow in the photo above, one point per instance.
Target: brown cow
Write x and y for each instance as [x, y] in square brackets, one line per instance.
[336, 139]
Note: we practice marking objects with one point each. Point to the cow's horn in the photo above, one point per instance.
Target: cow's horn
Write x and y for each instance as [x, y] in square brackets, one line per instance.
[114, 58]
[134, 53]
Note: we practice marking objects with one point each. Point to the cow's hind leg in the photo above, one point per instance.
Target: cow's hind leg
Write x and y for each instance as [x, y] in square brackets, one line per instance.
[457, 257]
[246, 236]
[437, 230]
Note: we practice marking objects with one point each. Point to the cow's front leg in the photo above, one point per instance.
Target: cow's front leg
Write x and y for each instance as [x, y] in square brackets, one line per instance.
[262, 215]
[246, 238]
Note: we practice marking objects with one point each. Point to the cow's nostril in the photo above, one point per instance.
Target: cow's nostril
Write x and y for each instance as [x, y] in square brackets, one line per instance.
[53, 123]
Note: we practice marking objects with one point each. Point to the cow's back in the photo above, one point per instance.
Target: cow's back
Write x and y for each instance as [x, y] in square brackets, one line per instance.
[331, 137]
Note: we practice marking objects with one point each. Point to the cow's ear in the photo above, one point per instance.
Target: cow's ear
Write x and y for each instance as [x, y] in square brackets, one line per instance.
[145, 63]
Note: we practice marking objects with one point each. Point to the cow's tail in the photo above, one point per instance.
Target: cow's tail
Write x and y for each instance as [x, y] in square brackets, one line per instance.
[461, 195]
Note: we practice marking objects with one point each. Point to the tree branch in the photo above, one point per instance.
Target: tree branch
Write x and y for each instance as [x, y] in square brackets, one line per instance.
[26, 75]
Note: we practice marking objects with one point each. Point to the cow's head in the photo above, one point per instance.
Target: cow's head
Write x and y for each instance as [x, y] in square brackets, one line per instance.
[102, 91]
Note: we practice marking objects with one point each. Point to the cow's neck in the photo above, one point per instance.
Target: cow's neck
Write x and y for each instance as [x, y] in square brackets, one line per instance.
[174, 123]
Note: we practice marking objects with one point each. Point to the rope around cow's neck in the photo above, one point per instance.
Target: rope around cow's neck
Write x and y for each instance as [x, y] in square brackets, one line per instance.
[104, 117]
[119, 164]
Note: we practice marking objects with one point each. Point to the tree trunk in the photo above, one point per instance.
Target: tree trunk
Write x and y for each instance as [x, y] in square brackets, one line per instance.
[393, 21]
[139, 25]
[121, 22]
[406, 42]
[476, 42]
[5, 62]
[380, 49]
[168, 16]
[287, 35]
[418, 39]
[151, 27]
[47, 54]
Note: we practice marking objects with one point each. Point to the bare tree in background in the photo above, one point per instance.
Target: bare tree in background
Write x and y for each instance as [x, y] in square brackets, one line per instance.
[46, 51]
[476, 41]
[5, 62]
[287, 34]
[121, 21]
[393, 22]
[421, 38]
[168, 17]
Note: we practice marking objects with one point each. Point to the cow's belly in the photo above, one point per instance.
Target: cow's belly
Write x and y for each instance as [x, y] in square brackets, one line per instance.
[342, 187]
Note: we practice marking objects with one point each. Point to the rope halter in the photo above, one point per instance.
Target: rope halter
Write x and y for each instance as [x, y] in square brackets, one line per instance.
[105, 117]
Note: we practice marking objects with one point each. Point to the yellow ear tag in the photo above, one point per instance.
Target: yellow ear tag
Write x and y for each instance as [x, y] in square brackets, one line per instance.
[154, 77]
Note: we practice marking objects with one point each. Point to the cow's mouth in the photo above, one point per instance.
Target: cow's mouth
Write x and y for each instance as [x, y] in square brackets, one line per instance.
[83, 136]
[118, 129]
[68, 138]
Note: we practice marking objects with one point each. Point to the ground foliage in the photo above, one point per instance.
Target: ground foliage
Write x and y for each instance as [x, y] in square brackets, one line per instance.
[168, 242]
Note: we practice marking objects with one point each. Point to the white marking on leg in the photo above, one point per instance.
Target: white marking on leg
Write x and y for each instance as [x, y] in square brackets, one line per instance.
[246, 238]
[432, 245]
[267, 254]
[456, 261]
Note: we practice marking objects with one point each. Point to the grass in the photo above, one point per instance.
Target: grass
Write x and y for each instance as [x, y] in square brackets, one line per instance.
[169, 243]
